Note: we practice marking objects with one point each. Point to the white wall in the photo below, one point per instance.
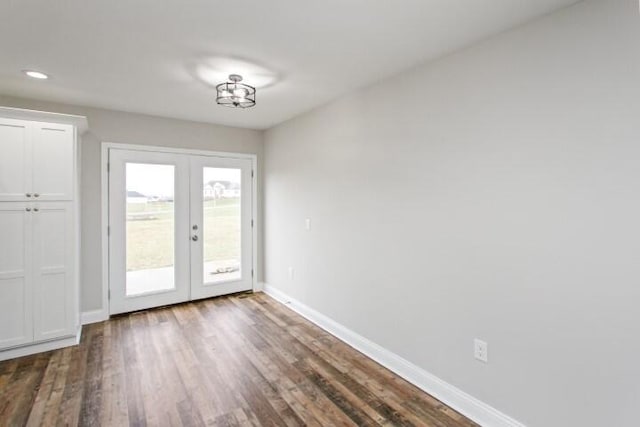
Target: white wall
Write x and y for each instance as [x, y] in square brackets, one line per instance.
[128, 128]
[495, 194]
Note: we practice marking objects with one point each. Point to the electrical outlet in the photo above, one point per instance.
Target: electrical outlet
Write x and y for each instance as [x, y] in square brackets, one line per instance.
[307, 224]
[481, 350]
[290, 273]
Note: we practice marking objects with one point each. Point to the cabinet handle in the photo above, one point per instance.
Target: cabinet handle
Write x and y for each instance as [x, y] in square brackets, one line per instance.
[194, 238]
[28, 194]
[28, 209]
[36, 195]
[36, 209]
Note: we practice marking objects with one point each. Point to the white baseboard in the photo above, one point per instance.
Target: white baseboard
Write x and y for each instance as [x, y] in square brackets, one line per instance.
[453, 397]
[93, 316]
[41, 347]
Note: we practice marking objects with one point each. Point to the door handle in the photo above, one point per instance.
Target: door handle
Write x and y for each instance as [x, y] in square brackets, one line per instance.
[194, 238]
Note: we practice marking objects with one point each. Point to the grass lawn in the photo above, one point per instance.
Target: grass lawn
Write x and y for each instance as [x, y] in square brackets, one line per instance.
[150, 233]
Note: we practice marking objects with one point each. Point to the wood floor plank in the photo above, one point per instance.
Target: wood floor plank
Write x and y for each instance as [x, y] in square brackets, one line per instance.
[114, 408]
[311, 345]
[44, 390]
[315, 405]
[22, 389]
[241, 360]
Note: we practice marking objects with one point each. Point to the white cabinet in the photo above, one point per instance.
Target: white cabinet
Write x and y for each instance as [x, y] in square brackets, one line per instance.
[15, 162]
[52, 160]
[36, 160]
[16, 291]
[39, 303]
[53, 267]
[36, 272]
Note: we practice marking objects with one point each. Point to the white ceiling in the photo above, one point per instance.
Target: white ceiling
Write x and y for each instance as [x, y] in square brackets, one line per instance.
[162, 57]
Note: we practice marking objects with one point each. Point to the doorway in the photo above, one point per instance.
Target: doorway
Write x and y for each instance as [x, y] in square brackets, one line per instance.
[180, 227]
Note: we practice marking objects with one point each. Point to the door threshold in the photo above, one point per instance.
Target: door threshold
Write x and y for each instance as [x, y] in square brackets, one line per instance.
[239, 295]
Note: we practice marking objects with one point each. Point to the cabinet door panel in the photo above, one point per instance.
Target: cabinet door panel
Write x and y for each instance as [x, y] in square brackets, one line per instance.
[54, 302]
[16, 314]
[53, 161]
[54, 311]
[15, 160]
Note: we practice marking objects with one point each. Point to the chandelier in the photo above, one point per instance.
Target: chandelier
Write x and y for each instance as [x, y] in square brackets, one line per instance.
[235, 94]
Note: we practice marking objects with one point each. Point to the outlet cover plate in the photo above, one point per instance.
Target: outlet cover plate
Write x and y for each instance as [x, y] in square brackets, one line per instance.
[481, 350]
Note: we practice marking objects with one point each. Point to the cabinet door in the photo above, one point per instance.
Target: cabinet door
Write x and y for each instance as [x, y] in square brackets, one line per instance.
[15, 160]
[53, 161]
[16, 326]
[55, 308]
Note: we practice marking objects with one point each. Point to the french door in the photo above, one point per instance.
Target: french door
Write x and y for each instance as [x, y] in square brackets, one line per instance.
[179, 228]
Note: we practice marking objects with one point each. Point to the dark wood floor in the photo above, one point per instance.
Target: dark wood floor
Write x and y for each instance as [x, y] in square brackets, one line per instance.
[239, 360]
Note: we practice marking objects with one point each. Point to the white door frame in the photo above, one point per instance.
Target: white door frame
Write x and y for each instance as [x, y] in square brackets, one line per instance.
[200, 286]
[104, 234]
[119, 280]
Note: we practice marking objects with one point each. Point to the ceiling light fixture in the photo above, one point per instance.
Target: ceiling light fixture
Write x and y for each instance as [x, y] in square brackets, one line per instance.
[235, 94]
[36, 74]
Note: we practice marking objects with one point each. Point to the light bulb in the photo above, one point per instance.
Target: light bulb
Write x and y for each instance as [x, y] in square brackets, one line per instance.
[240, 92]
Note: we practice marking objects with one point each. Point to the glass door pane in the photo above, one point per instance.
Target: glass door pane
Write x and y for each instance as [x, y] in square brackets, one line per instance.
[150, 225]
[221, 234]
[149, 242]
[221, 225]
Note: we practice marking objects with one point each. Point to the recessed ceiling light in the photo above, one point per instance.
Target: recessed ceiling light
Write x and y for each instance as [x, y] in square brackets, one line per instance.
[36, 74]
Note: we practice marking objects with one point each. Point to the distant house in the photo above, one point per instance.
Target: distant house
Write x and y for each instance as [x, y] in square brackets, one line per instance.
[221, 190]
[233, 190]
[135, 197]
[213, 190]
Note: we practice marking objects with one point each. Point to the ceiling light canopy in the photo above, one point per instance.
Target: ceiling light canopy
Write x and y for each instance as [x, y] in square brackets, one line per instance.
[36, 74]
[235, 94]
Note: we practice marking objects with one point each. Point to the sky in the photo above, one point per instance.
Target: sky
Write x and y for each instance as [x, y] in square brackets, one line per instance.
[158, 180]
